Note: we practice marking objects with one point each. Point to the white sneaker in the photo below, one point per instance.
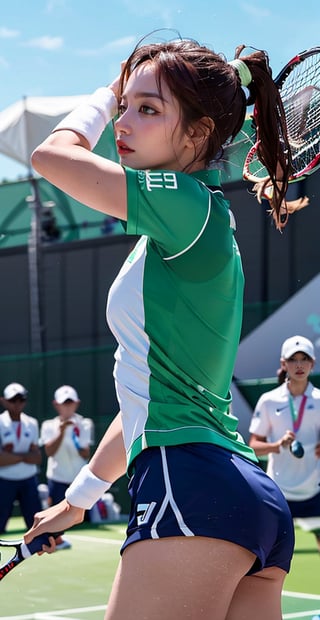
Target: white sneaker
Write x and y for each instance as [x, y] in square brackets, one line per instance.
[65, 544]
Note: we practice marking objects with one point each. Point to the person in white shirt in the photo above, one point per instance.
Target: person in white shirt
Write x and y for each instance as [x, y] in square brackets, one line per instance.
[67, 440]
[286, 427]
[20, 457]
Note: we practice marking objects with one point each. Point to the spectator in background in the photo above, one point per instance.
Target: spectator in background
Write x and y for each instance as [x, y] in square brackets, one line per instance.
[108, 225]
[49, 228]
[286, 427]
[67, 439]
[20, 457]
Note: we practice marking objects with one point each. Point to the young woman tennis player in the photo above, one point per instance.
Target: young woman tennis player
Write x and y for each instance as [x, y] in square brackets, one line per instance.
[209, 535]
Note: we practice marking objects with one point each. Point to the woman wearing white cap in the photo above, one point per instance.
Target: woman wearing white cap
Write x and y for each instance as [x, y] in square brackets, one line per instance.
[286, 427]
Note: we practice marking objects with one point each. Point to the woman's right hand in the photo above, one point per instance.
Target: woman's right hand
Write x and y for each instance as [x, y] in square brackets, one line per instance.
[115, 83]
[287, 439]
[57, 518]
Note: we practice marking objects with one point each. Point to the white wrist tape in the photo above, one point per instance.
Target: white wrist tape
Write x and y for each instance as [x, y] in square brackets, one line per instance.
[90, 118]
[25, 551]
[86, 489]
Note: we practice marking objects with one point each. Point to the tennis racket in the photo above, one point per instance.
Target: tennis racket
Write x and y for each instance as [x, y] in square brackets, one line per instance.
[299, 86]
[21, 551]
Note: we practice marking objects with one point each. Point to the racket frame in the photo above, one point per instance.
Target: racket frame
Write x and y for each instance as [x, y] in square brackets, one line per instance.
[252, 153]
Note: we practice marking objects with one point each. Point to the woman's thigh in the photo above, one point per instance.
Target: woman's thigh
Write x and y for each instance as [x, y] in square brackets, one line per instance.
[258, 596]
[178, 577]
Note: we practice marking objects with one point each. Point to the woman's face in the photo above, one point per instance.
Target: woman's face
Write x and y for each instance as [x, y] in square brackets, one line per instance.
[298, 366]
[148, 131]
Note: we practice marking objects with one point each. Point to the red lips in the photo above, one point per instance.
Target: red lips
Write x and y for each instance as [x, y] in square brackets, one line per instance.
[123, 149]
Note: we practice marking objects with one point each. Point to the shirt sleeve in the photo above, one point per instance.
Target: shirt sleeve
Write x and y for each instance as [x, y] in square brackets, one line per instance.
[260, 420]
[47, 432]
[169, 207]
[190, 226]
[36, 439]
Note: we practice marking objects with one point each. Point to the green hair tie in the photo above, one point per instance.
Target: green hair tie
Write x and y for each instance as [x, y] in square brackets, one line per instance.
[243, 71]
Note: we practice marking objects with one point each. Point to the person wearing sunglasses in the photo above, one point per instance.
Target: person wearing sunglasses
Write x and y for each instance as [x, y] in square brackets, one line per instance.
[20, 457]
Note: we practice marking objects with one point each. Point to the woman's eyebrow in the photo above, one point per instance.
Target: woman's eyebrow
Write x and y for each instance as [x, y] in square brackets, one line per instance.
[146, 94]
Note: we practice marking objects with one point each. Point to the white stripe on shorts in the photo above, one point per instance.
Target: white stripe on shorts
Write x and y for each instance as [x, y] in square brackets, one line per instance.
[168, 500]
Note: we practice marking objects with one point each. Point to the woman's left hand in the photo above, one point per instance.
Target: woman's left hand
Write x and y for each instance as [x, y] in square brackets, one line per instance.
[57, 518]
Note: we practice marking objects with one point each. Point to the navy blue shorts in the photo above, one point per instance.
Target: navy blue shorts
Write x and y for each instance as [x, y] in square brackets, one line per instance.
[306, 507]
[203, 490]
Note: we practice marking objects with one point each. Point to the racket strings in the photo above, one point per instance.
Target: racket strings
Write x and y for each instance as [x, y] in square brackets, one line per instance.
[301, 98]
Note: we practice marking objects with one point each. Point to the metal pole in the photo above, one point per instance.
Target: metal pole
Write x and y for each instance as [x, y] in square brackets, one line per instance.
[35, 269]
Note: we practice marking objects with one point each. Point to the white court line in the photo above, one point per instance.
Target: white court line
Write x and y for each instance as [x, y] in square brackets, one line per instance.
[311, 597]
[293, 615]
[301, 614]
[50, 615]
[58, 615]
[105, 541]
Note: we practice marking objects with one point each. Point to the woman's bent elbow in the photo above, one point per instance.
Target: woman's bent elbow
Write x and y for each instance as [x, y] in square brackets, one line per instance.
[37, 159]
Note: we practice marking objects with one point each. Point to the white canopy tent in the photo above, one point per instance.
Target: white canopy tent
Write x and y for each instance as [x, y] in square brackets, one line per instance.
[24, 124]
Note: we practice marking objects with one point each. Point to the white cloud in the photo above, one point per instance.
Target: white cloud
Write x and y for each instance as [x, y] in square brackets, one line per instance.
[159, 11]
[46, 43]
[3, 63]
[112, 46]
[123, 42]
[52, 5]
[6, 33]
[256, 11]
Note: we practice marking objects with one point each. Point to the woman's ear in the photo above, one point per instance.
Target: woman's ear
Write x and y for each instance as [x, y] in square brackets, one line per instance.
[208, 125]
[201, 130]
[199, 134]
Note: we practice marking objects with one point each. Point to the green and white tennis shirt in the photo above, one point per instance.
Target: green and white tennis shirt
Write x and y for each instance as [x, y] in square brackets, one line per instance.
[175, 309]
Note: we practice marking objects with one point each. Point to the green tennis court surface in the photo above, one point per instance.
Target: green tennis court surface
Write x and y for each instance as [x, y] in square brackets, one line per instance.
[75, 584]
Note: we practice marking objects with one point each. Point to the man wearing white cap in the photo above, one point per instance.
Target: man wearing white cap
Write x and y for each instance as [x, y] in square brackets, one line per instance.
[286, 427]
[67, 440]
[20, 457]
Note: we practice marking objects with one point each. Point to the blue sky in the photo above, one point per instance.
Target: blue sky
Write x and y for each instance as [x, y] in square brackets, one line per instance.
[70, 47]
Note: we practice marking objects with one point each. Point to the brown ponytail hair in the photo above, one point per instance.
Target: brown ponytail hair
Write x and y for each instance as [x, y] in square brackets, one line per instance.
[269, 118]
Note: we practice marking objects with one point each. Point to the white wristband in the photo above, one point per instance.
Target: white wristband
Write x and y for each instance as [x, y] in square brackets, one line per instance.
[86, 489]
[90, 118]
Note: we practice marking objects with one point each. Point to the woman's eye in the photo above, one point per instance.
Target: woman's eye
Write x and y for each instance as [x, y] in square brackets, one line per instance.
[121, 109]
[145, 109]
